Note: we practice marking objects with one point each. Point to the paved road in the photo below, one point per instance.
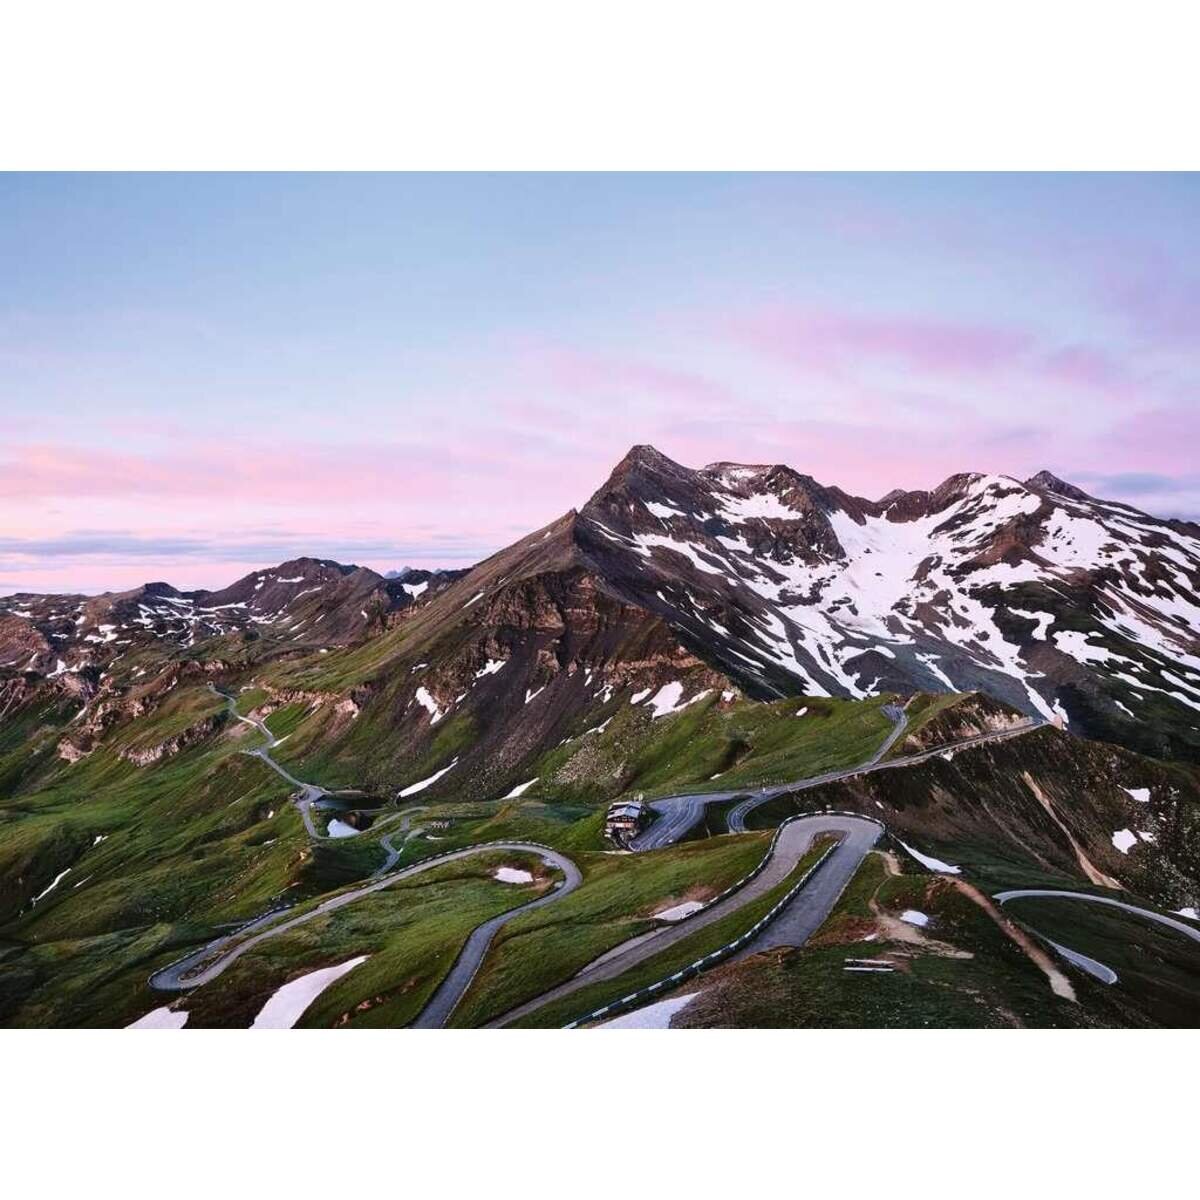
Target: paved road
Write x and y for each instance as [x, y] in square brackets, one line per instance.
[815, 901]
[309, 792]
[737, 816]
[677, 814]
[1182, 927]
[1085, 963]
[444, 1001]
[190, 972]
[810, 907]
[393, 851]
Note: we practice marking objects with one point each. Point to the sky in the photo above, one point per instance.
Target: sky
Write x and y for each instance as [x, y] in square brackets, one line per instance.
[203, 375]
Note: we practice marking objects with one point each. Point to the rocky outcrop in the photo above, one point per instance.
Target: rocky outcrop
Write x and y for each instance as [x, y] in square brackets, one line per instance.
[144, 755]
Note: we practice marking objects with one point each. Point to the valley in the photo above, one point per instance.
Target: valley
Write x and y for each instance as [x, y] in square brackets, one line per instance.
[970, 701]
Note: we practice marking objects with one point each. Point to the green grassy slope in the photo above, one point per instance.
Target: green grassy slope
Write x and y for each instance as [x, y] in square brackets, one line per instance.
[959, 971]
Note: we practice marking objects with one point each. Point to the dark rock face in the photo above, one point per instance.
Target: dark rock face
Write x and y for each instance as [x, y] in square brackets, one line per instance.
[757, 578]
[1048, 796]
[1043, 481]
[1034, 592]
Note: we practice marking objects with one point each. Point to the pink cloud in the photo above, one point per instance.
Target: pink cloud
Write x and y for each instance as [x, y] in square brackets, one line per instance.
[270, 472]
[634, 380]
[1159, 439]
[1158, 302]
[823, 341]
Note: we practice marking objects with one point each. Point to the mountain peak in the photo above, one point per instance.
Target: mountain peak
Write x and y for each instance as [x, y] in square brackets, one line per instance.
[643, 468]
[645, 455]
[1044, 481]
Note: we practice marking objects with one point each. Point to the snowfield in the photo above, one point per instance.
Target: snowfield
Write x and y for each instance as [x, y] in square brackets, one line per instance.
[512, 875]
[654, 1016]
[934, 864]
[421, 785]
[161, 1018]
[825, 586]
[291, 1001]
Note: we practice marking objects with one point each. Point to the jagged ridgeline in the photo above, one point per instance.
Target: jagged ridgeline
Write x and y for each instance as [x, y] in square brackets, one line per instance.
[172, 763]
[669, 584]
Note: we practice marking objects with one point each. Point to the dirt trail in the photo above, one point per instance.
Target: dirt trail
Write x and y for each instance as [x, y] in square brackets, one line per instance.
[1093, 873]
[893, 929]
[1060, 985]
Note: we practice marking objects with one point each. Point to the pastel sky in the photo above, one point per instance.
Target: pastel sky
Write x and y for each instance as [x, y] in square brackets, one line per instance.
[201, 375]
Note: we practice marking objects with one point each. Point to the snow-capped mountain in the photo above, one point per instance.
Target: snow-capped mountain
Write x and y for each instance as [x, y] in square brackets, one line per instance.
[728, 578]
[1059, 603]
[302, 602]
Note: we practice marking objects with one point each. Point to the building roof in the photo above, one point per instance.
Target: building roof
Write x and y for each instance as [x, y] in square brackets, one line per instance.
[624, 810]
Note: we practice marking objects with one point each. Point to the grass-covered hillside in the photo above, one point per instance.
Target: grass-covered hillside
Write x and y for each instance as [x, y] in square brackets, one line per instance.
[907, 949]
[1041, 809]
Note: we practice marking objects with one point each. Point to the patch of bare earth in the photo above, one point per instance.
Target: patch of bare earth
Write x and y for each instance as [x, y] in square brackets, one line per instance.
[1093, 872]
[1060, 985]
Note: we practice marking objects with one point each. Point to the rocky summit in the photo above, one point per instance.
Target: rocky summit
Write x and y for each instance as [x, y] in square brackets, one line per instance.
[940, 703]
[1054, 601]
[756, 578]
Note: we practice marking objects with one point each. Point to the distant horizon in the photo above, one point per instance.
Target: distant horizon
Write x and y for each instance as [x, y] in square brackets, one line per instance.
[201, 373]
[280, 554]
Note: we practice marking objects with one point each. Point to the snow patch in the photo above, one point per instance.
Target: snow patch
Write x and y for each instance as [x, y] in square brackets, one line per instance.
[934, 864]
[512, 875]
[679, 911]
[161, 1018]
[520, 789]
[667, 699]
[413, 788]
[291, 1001]
[56, 881]
[664, 511]
[654, 1016]
[430, 705]
[1124, 840]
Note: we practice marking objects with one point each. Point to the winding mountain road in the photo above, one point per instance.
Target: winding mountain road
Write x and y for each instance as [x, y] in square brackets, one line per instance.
[451, 990]
[1084, 962]
[1190, 931]
[196, 969]
[309, 792]
[393, 851]
[802, 917]
[679, 813]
